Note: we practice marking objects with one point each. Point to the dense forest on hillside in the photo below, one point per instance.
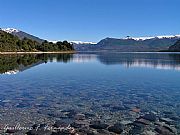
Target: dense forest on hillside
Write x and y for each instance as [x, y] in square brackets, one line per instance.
[11, 43]
[175, 47]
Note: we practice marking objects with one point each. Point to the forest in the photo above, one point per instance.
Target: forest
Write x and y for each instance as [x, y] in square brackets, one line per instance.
[11, 43]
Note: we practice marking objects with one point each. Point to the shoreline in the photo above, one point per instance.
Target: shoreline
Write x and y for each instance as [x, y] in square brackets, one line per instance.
[61, 52]
[124, 52]
[72, 52]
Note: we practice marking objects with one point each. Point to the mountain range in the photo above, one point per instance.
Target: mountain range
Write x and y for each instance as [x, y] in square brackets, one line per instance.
[20, 34]
[143, 44]
[128, 44]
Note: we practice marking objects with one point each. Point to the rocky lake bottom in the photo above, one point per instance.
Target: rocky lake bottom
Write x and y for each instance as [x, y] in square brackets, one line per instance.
[90, 94]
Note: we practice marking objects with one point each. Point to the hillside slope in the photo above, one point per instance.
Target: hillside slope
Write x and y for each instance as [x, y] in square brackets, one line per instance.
[22, 35]
[175, 47]
[11, 43]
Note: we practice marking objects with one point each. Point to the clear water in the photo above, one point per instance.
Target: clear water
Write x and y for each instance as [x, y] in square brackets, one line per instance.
[109, 86]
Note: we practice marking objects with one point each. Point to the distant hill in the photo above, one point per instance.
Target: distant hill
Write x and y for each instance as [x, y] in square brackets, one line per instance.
[82, 46]
[175, 47]
[132, 44]
[21, 34]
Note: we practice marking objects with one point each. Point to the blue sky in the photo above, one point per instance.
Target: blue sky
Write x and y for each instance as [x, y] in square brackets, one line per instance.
[91, 20]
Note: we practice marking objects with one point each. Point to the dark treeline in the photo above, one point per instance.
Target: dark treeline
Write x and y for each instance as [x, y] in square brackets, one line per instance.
[22, 62]
[175, 47]
[11, 43]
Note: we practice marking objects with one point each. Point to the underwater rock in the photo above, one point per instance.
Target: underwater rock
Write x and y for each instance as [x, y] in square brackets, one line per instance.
[80, 116]
[98, 125]
[11, 131]
[170, 128]
[102, 132]
[80, 124]
[175, 118]
[89, 115]
[148, 133]
[62, 123]
[116, 128]
[150, 117]
[23, 105]
[136, 130]
[118, 108]
[69, 113]
[163, 131]
[136, 110]
[166, 120]
[39, 132]
[126, 122]
[143, 121]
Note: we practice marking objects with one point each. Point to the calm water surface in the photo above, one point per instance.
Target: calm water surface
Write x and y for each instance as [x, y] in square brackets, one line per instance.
[124, 88]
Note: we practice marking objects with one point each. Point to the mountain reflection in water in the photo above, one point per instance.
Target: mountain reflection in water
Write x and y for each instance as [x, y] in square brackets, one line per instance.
[147, 60]
[12, 64]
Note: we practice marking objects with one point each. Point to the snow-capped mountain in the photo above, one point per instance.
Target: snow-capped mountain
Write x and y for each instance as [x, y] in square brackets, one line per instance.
[157, 37]
[10, 30]
[133, 44]
[81, 42]
[79, 45]
[21, 34]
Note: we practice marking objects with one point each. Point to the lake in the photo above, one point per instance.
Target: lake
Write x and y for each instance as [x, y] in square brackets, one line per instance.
[96, 93]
